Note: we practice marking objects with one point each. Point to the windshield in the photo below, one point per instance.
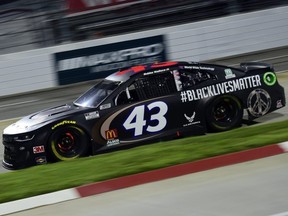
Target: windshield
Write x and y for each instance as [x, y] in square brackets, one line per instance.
[96, 94]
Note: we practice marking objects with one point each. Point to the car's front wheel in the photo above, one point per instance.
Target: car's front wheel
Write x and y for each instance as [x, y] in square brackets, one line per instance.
[224, 113]
[67, 143]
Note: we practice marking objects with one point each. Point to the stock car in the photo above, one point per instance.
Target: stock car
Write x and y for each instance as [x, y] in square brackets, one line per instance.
[143, 104]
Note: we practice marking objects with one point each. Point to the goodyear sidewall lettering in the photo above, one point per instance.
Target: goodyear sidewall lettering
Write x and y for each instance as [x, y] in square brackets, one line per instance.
[64, 122]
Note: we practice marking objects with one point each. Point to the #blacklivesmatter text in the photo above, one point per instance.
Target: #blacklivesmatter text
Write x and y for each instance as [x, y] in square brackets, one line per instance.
[221, 88]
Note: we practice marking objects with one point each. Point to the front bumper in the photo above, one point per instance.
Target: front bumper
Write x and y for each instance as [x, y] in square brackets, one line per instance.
[18, 155]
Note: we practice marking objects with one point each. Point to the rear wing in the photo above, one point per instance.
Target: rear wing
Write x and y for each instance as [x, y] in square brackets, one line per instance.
[249, 66]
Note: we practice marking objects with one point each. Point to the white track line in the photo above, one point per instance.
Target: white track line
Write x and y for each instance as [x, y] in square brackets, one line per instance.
[284, 146]
[36, 201]
[18, 103]
[281, 214]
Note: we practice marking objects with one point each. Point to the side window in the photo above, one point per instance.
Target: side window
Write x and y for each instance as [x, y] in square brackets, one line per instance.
[155, 85]
[185, 79]
[147, 87]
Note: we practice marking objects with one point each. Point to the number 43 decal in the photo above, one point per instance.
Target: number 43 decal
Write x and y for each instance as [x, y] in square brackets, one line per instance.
[137, 122]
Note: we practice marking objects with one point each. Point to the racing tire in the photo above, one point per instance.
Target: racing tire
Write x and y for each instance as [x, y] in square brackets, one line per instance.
[224, 113]
[67, 143]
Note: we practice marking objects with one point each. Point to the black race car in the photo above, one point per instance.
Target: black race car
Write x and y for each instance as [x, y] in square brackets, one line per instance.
[144, 104]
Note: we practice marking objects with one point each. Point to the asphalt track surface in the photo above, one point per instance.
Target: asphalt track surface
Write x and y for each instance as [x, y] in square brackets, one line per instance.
[254, 188]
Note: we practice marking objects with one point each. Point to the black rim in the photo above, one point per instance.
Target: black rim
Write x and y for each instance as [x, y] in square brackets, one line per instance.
[225, 111]
[68, 143]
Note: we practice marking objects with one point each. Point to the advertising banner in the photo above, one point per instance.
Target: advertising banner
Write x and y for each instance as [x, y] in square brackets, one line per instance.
[75, 6]
[99, 61]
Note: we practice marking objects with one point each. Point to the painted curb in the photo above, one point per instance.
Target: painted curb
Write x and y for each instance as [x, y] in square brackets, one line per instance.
[178, 170]
[142, 178]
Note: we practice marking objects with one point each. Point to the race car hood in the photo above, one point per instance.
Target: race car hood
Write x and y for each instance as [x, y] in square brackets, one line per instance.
[37, 120]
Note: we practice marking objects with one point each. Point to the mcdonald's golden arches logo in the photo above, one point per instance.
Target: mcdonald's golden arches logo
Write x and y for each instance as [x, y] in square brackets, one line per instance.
[111, 134]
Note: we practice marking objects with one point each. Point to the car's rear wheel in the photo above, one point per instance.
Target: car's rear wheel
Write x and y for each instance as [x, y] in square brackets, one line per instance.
[67, 143]
[224, 113]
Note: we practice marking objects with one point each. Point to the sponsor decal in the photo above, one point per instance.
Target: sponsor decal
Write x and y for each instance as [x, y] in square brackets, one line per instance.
[194, 67]
[269, 78]
[229, 74]
[279, 104]
[111, 134]
[38, 149]
[111, 137]
[190, 120]
[113, 142]
[41, 160]
[220, 88]
[258, 102]
[91, 115]
[63, 123]
[156, 71]
[99, 61]
[105, 106]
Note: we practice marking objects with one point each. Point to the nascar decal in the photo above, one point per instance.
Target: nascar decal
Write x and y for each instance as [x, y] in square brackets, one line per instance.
[221, 88]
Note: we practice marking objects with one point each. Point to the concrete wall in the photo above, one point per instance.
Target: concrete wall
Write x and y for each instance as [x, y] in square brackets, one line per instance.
[205, 40]
[232, 35]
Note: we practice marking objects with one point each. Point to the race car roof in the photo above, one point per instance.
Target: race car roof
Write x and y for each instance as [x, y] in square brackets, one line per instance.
[125, 74]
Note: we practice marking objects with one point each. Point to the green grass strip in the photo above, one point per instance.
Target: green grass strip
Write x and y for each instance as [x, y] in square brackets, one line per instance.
[48, 178]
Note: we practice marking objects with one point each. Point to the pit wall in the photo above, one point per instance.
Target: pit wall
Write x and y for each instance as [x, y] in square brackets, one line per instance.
[76, 62]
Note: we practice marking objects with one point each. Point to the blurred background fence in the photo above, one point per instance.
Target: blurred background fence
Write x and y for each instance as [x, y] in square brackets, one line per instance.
[31, 24]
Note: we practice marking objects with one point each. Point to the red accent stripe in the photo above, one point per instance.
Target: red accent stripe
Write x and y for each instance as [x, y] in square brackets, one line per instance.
[135, 69]
[123, 72]
[178, 170]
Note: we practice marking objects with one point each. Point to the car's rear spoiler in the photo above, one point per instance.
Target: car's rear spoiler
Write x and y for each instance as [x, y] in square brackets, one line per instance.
[248, 66]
